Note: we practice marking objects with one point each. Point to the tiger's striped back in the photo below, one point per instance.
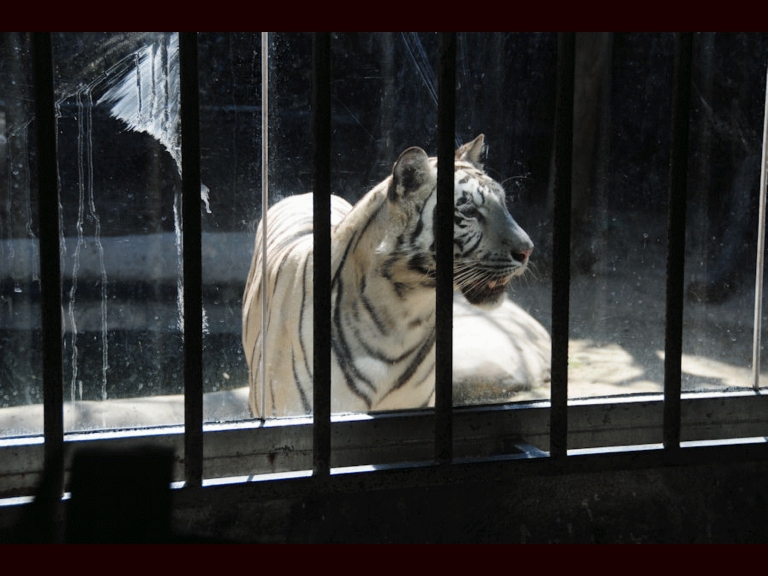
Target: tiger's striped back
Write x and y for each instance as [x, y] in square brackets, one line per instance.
[289, 305]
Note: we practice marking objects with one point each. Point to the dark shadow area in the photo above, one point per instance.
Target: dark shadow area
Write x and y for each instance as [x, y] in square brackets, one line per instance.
[118, 496]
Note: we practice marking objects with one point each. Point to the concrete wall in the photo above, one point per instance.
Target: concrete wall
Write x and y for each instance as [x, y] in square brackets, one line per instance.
[700, 504]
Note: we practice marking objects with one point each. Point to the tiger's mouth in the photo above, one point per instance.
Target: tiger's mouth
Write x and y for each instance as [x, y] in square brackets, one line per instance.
[485, 291]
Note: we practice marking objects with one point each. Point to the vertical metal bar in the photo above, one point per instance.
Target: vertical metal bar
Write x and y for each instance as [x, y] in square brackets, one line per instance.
[264, 208]
[678, 176]
[446, 129]
[192, 254]
[757, 327]
[321, 187]
[50, 262]
[561, 243]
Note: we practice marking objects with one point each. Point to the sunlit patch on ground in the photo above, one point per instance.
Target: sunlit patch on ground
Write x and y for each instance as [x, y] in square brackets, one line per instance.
[596, 369]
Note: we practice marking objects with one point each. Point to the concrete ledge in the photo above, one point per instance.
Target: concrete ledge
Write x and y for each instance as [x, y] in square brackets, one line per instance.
[152, 411]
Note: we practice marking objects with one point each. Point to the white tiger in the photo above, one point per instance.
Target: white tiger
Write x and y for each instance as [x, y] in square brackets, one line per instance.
[383, 288]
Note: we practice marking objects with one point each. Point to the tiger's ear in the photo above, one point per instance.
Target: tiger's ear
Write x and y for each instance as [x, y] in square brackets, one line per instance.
[472, 152]
[412, 176]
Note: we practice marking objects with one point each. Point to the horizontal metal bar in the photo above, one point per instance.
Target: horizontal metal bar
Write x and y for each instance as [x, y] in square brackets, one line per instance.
[280, 446]
[502, 469]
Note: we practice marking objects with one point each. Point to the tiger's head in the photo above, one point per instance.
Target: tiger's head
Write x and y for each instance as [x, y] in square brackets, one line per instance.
[489, 247]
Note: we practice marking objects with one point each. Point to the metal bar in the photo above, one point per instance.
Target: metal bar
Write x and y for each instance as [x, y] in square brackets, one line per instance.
[561, 243]
[757, 327]
[321, 186]
[678, 175]
[50, 262]
[192, 253]
[252, 448]
[504, 469]
[446, 129]
[264, 208]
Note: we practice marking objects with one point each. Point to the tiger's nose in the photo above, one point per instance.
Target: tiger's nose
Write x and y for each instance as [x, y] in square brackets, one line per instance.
[522, 255]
